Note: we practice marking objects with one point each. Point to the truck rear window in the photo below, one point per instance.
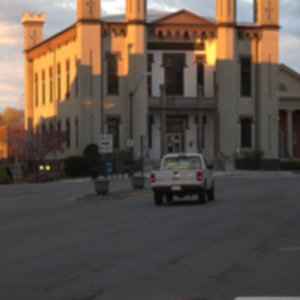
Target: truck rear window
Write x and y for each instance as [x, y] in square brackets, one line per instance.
[182, 163]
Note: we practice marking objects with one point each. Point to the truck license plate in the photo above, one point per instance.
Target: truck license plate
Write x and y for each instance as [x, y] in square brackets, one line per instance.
[176, 188]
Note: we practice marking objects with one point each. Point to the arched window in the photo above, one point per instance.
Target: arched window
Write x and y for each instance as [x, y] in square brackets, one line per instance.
[169, 34]
[122, 33]
[114, 33]
[282, 87]
[160, 35]
[186, 36]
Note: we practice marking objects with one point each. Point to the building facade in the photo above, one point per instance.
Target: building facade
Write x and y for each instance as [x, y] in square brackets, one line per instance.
[200, 84]
[289, 113]
[3, 143]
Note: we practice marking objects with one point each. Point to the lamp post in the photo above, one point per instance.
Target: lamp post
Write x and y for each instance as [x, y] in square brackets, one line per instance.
[131, 95]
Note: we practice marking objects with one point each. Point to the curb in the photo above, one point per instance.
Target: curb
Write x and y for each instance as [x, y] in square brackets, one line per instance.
[120, 195]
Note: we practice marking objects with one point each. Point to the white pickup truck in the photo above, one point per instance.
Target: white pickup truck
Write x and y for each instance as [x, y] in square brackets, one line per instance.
[182, 175]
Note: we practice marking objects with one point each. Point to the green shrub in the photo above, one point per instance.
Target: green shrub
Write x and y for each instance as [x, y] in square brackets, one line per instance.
[76, 166]
[91, 151]
[290, 165]
[3, 174]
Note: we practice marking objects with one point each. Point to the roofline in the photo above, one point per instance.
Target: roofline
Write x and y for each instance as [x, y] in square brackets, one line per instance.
[290, 71]
[50, 38]
[179, 12]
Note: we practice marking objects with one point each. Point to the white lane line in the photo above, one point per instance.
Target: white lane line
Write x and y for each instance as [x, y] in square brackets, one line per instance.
[290, 249]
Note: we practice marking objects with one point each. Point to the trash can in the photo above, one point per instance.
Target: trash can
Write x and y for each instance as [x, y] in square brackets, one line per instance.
[109, 169]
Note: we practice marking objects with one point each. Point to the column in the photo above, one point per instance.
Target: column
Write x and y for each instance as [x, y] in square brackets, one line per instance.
[290, 132]
[200, 118]
[216, 121]
[216, 133]
[163, 120]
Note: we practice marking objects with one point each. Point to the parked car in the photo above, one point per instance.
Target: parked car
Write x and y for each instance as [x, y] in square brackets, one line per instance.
[183, 175]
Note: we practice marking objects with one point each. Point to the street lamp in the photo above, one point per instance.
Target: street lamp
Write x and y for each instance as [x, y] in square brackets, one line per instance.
[131, 94]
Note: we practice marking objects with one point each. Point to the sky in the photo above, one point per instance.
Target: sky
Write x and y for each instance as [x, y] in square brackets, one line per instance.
[62, 13]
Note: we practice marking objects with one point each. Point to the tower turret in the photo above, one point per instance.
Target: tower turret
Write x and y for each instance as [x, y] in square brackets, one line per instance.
[33, 29]
[88, 10]
[266, 12]
[136, 10]
[226, 11]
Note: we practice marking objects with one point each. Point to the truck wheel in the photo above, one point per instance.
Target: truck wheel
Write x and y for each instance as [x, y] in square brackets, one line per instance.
[169, 197]
[158, 198]
[202, 196]
[211, 193]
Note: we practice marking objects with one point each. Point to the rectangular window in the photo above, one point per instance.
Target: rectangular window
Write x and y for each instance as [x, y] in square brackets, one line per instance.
[151, 121]
[68, 78]
[204, 121]
[174, 65]
[77, 136]
[149, 70]
[246, 132]
[76, 78]
[113, 79]
[36, 89]
[43, 87]
[58, 82]
[200, 71]
[68, 134]
[113, 129]
[246, 76]
[51, 84]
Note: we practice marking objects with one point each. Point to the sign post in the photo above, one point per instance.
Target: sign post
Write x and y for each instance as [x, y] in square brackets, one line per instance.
[105, 143]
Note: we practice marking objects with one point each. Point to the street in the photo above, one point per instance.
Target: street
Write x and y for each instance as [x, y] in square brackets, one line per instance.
[245, 243]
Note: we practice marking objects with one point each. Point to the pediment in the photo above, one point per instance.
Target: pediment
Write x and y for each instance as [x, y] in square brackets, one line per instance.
[290, 72]
[183, 17]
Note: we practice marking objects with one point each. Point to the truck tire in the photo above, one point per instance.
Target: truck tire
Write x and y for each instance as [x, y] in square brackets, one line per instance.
[169, 197]
[202, 196]
[158, 198]
[211, 193]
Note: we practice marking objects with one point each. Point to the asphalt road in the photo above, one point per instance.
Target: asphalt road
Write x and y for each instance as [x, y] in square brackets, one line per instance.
[246, 243]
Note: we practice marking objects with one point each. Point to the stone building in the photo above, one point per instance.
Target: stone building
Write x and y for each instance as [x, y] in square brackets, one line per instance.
[289, 113]
[212, 89]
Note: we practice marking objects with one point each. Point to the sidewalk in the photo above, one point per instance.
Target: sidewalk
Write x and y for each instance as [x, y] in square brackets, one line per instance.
[120, 188]
[241, 173]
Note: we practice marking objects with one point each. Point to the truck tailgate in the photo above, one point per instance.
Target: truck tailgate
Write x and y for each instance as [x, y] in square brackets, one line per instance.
[176, 177]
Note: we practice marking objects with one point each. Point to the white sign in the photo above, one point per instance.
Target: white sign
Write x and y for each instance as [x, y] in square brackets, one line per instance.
[130, 143]
[105, 143]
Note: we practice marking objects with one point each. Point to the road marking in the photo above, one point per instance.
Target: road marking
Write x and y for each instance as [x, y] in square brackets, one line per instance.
[290, 249]
[111, 197]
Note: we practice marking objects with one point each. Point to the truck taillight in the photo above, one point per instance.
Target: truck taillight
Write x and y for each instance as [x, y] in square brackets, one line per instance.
[152, 178]
[199, 176]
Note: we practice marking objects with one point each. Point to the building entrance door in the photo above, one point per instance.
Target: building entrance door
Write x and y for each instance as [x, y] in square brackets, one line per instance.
[175, 136]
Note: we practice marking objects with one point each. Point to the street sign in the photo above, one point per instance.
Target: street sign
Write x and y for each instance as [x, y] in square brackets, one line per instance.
[105, 143]
[130, 143]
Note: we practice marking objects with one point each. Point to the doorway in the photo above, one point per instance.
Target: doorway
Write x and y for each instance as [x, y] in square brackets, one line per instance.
[281, 144]
[175, 136]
